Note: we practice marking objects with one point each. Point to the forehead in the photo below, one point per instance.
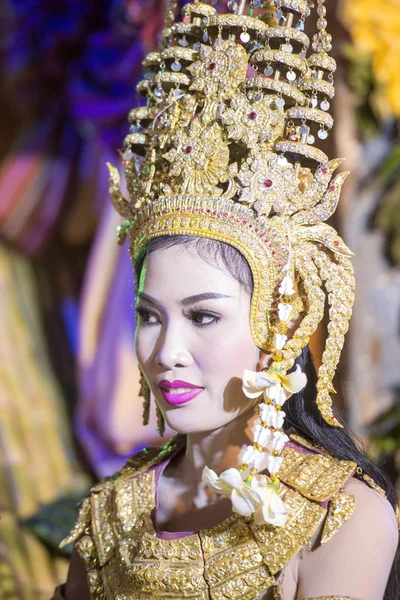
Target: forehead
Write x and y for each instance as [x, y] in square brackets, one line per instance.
[180, 271]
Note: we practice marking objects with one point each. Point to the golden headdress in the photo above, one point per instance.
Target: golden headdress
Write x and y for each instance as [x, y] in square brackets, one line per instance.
[224, 150]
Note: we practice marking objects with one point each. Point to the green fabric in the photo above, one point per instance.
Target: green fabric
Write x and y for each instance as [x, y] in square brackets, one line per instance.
[54, 522]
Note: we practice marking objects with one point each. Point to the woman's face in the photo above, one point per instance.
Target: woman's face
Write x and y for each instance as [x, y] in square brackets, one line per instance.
[193, 339]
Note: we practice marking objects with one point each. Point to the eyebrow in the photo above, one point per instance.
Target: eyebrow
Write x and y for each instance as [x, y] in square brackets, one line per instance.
[186, 301]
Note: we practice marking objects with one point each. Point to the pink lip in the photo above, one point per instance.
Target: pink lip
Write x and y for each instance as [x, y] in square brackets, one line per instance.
[177, 399]
[178, 383]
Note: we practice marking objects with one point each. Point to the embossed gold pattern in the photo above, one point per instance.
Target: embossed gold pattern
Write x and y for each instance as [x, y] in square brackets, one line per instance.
[279, 545]
[82, 522]
[374, 485]
[126, 559]
[340, 510]
[317, 476]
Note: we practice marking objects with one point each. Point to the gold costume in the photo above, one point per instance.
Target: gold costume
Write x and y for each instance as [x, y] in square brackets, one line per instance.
[126, 560]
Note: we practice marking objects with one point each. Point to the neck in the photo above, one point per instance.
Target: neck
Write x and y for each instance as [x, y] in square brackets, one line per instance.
[219, 450]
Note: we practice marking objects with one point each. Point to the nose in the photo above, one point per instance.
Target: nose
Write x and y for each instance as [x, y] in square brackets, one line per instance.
[171, 350]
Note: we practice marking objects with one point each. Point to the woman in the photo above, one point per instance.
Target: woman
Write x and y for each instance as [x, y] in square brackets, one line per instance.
[262, 494]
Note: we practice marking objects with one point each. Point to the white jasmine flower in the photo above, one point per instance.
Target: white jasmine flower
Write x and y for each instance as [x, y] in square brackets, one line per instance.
[211, 479]
[280, 341]
[254, 458]
[277, 441]
[269, 414]
[262, 435]
[274, 463]
[276, 393]
[286, 286]
[258, 496]
[254, 384]
[294, 382]
[284, 312]
[271, 509]
[230, 483]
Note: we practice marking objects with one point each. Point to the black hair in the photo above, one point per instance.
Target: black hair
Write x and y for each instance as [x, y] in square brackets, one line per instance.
[302, 413]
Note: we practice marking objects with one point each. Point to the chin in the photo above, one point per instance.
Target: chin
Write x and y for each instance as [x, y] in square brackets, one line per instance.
[190, 421]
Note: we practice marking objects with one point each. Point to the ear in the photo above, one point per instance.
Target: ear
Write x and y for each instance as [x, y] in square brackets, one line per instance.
[265, 356]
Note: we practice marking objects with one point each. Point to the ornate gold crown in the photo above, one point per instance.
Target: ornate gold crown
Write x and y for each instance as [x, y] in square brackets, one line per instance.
[224, 150]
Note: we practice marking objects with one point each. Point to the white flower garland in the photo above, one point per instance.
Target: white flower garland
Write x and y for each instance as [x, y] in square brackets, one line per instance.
[250, 492]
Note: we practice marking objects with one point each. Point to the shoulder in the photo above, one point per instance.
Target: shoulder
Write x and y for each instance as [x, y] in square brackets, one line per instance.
[365, 543]
[368, 534]
[374, 518]
[356, 532]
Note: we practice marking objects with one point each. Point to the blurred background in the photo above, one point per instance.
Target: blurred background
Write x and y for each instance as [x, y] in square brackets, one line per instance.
[69, 383]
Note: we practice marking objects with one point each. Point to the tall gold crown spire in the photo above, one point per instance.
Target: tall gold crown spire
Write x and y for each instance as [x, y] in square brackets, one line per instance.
[226, 149]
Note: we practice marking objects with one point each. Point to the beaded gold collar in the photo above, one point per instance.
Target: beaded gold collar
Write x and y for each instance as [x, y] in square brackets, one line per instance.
[126, 559]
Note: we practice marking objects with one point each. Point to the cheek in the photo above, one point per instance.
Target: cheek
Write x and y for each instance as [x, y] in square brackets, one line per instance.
[145, 342]
[231, 352]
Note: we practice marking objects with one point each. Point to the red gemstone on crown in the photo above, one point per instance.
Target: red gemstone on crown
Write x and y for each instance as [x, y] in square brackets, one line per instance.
[268, 183]
[336, 243]
[188, 149]
[211, 66]
[325, 170]
[252, 115]
[332, 188]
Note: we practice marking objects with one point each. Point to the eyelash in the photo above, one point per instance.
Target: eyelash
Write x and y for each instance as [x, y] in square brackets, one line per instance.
[142, 313]
[191, 312]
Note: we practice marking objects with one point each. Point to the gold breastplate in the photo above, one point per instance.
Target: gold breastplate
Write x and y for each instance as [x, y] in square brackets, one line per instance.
[126, 560]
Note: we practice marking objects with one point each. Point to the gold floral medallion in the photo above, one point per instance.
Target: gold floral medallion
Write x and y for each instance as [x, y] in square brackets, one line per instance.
[199, 159]
[252, 122]
[220, 70]
[265, 180]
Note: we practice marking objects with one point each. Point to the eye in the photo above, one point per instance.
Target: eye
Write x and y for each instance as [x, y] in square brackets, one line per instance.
[146, 317]
[202, 318]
